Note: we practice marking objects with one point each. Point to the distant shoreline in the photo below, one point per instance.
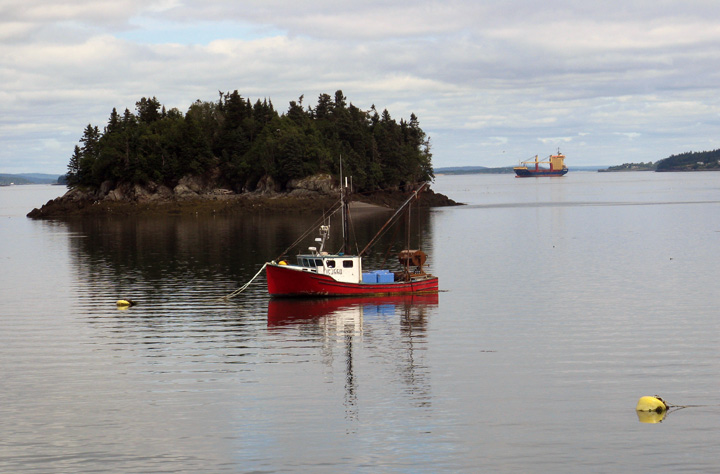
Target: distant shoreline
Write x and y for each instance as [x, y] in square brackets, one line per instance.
[461, 170]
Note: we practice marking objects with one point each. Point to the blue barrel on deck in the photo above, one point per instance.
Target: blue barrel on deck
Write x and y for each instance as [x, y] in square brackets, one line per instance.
[370, 277]
[384, 276]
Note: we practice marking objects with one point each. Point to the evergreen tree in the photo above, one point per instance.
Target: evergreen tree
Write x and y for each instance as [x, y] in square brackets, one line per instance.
[90, 151]
[74, 173]
[324, 106]
[148, 110]
[114, 123]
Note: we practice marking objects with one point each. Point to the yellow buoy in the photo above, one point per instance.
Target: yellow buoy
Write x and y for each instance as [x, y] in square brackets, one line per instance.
[282, 262]
[651, 409]
[651, 404]
[125, 303]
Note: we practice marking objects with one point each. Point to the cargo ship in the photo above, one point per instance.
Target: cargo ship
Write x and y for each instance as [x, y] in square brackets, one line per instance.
[531, 168]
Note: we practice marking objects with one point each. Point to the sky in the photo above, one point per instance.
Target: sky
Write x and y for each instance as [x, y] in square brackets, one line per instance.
[492, 82]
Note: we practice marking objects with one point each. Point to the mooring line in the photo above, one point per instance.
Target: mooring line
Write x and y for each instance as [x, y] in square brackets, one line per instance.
[244, 287]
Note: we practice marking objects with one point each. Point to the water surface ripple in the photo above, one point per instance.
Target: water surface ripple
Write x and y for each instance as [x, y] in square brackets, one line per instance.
[563, 301]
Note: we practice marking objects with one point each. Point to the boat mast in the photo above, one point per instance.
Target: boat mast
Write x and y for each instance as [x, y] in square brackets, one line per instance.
[345, 210]
[346, 218]
[408, 223]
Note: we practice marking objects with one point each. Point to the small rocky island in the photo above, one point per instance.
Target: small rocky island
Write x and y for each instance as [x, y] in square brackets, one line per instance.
[236, 156]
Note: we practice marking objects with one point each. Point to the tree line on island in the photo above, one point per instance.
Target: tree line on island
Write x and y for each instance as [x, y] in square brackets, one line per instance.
[242, 143]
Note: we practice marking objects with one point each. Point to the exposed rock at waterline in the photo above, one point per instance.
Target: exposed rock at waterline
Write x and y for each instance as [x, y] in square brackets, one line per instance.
[199, 195]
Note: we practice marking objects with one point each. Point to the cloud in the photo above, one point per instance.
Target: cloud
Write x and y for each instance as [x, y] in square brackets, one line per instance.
[471, 72]
[555, 140]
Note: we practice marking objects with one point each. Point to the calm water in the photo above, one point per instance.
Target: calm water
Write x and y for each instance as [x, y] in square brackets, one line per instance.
[564, 300]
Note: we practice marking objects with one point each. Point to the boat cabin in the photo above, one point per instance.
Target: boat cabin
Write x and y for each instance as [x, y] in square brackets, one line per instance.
[345, 268]
[340, 267]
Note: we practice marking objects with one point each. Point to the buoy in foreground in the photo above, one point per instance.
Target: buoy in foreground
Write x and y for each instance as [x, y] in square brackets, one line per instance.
[651, 404]
[125, 303]
[651, 409]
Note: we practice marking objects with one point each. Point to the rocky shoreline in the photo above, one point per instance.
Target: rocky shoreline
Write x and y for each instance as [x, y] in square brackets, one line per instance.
[193, 195]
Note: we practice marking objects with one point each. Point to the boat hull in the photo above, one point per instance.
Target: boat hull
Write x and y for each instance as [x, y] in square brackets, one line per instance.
[283, 280]
[526, 173]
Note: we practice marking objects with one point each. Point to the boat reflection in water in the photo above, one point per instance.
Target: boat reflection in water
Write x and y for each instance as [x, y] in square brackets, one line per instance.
[285, 311]
[352, 326]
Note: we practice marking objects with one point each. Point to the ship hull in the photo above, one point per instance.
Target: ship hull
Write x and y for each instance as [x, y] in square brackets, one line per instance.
[526, 173]
[283, 280]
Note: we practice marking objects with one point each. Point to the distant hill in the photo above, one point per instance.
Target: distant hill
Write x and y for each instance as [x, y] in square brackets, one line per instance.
[691, 161]
[28, 178]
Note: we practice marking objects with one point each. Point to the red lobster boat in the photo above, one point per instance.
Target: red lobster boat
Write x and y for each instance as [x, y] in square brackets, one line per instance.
[320, 273]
